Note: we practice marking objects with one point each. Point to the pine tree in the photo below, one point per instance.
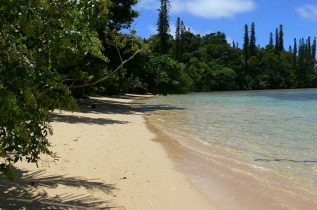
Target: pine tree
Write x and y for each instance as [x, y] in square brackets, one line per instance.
[183, 27]
[295, 53]
[233, 44]
[276, 41]
[163, 25]
[281, 39]
[246, 46]
[309, 51]
[301, 71]
[177, 39]
[314, 49]
[271, 40]
[181, 48]
[252, 41]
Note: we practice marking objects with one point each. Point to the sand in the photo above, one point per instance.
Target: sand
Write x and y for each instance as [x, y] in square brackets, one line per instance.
[105, 158]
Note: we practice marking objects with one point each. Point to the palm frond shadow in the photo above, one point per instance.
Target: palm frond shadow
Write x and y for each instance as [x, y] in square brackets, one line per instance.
[25, 194]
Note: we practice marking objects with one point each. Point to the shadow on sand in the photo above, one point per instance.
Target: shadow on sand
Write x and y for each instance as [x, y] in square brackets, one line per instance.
[72, 119]
[27, 193]
[108, 106]
[104, 106]
[24, 194]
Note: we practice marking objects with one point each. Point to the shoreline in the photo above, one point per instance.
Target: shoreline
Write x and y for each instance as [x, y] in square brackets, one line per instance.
[112, 157]
[228, 182]
[104, 158]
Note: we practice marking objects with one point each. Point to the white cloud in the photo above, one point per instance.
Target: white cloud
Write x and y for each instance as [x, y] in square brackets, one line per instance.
[212, 9]
[308, 11]
[218, 8]
[148, 4]
[178, 6]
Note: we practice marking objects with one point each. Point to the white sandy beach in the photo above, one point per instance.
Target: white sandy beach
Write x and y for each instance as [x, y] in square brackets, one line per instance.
[110, 157]
[105, 157]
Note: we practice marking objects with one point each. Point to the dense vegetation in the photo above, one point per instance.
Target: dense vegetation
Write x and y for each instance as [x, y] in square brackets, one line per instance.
[48, 49]
[51, 51]
[190, 62]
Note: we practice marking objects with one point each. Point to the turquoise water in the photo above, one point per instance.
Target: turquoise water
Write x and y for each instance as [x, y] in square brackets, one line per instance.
[274, 130]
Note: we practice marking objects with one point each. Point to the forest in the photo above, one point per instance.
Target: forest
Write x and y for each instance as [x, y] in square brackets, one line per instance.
[185, 62]
[189, 62]
[53, 52]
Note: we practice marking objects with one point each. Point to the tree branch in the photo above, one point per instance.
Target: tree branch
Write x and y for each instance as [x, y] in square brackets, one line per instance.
[106, 77]
[72, 86]
[118, 53]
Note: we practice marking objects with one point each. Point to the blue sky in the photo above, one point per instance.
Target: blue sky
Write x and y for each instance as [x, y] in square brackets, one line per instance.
[299, 17]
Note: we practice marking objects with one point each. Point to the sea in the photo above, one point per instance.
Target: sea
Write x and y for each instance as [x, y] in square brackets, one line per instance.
[271, 130]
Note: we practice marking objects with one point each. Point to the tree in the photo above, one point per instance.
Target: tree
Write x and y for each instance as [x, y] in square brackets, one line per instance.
[314, 49]
[182, 31]
[122, 14]
[167, 76]
[295, 54]
[277, 43]
[281, 39]
[252, 41]
[309, 51]
[46, 48]
[246, 47]
[271, 40]
[306, 64]
[31, 55]
[163, 25]
[177, 39]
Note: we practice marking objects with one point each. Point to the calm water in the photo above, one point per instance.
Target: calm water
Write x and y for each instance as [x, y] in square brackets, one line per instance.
[273, 130]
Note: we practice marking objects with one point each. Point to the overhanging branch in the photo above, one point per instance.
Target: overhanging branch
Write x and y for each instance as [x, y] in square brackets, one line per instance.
[106, 77]
[72, 86]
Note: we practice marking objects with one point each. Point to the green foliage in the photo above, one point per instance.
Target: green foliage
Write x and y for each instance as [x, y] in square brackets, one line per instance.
[252, 41]
[122, 14]
[167, 76]
[46, 47]
[177, 45]
[26, 74]
[281, 39]
[163, 26]
[224, 79]
[213, 65]
[246, 47]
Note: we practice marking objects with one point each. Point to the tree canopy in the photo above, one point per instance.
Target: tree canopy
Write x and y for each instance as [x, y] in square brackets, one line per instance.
[47, 48]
